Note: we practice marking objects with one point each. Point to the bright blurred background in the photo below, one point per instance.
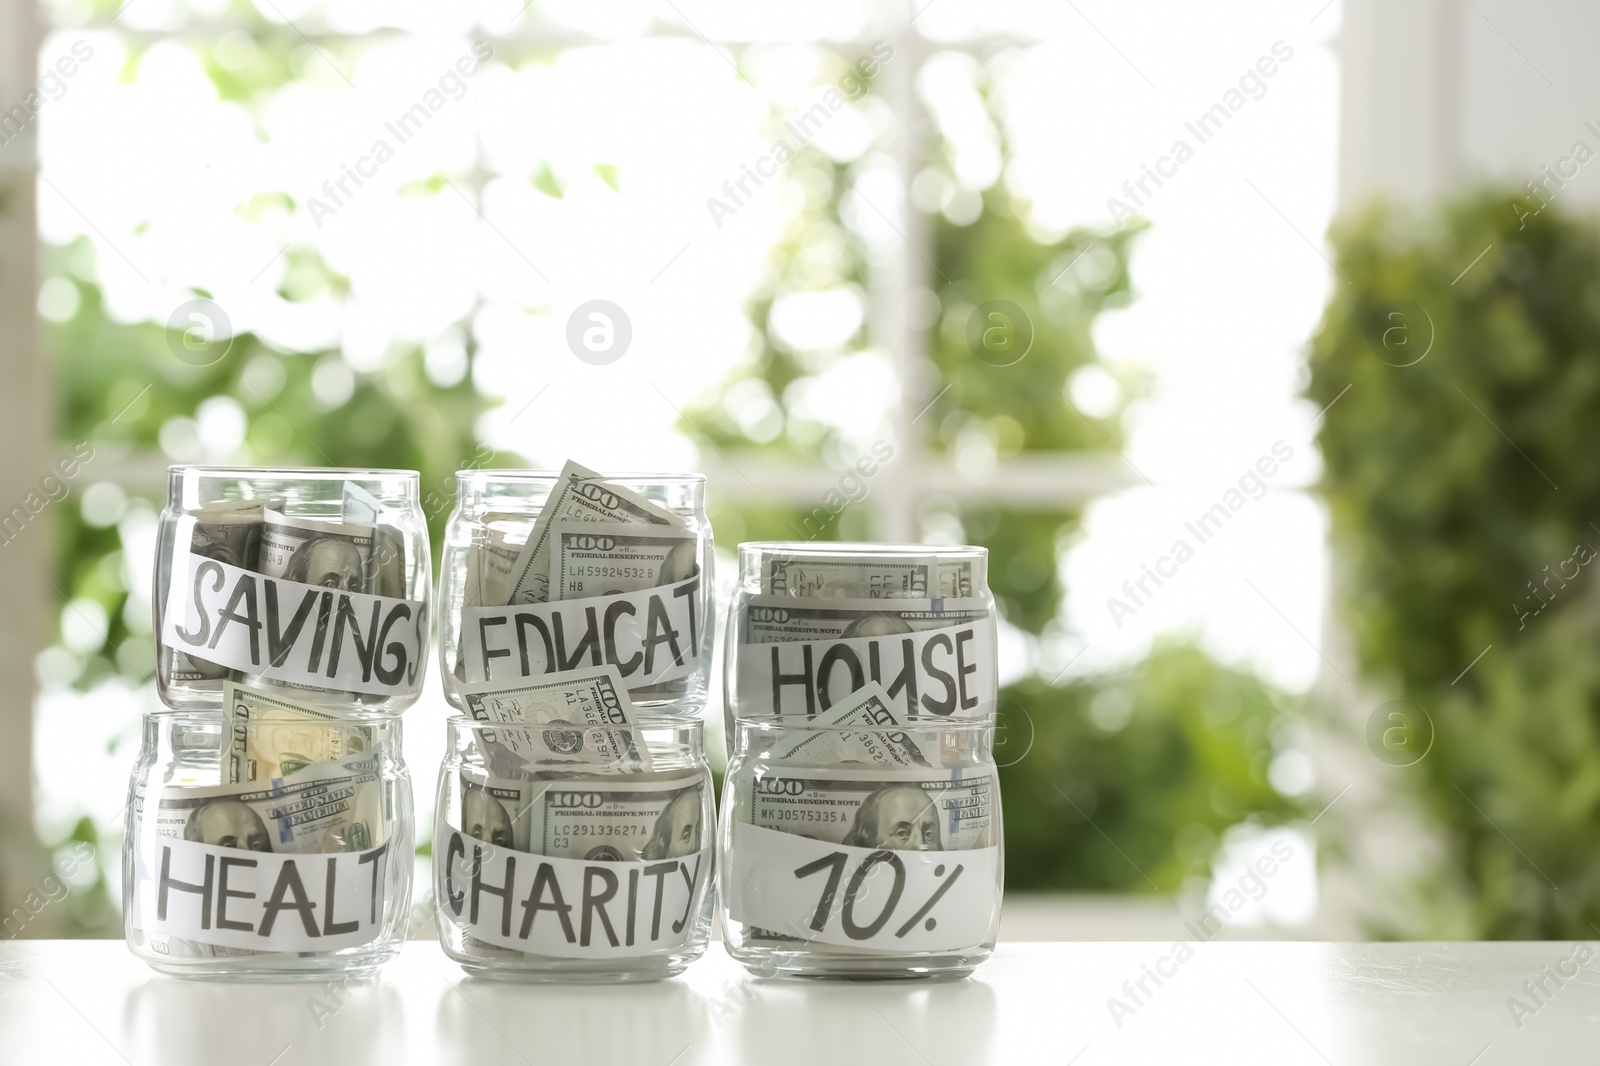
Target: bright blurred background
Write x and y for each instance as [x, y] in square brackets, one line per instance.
[1393, 417]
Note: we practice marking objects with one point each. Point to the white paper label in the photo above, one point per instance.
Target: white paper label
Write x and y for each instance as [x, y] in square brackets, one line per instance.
[567, 907]
[650, 636]
[949, 673]
[858, 897]
[295, 633]
[253, 899]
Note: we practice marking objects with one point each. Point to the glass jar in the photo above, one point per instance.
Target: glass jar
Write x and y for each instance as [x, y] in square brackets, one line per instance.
[550, 868]
[811, 623]
[619, 573]
[299, 871]
[316, 581]
[861, 853]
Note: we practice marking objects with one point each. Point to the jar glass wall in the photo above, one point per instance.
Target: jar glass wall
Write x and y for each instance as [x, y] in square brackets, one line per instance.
[550, 572]
[851, 852]
[315, 581]
[552, 866]
[302, 870]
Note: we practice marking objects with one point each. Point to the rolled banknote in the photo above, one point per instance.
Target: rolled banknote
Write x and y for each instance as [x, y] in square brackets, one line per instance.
[491, 561]
[270, 738]
[580, 495]
[856, 577]
[831, 745]
[602, 558]
[584, 720]
[781, 619]
[228, 531]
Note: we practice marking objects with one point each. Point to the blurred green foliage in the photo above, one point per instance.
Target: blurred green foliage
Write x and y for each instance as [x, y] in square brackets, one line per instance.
[1464, 497]
[1161, 758]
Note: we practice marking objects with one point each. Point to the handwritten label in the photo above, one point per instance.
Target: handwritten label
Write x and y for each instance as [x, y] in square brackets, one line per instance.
[567, 907]
[650, 636]
[949, 673]
[236, 898]
[893, 901]
[295, 633]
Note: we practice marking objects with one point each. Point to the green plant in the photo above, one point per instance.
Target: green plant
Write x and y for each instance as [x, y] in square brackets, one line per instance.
[1131, 779]
[1459, 488]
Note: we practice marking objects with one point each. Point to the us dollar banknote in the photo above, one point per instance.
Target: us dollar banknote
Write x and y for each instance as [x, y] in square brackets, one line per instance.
[492, 560]
[825, 742]
[580, 495]
[602, 558]
[581, 719]
[270, 738]
[783, 619]
[230, 533]
[325, 807]
[639, 818]
[906, 810]
[334, 555]
[962, 578]
[856, 577]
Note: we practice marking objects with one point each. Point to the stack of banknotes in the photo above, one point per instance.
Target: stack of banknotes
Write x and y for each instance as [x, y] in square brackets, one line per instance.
[564, 734]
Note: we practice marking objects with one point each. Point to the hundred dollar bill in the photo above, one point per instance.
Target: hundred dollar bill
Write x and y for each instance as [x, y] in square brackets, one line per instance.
[325, 807]
[904, 810]
[602, 558]
[579, 495]
[855, 577]
[639, 818]
[882, 747]
[230, 533]
[584, 720]
[334, 555]
[783, 619]
[269, 738]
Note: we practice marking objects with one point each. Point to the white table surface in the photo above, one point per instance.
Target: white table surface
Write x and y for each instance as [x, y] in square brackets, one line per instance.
[1235, 1003]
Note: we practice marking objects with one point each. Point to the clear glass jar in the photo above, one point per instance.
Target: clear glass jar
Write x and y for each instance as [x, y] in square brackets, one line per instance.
[812, 622]
[836, 865]
[548, 869]
[314, 580]
[620, 573]
[302, 873]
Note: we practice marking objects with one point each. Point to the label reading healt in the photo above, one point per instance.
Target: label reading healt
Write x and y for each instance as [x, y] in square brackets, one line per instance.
[236, 898]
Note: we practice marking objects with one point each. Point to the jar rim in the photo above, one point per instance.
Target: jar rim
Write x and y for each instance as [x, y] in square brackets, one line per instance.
[645, 720]
[913, 724]
[536, 476]
[862, 547]
[307, 473]
[341, 715]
